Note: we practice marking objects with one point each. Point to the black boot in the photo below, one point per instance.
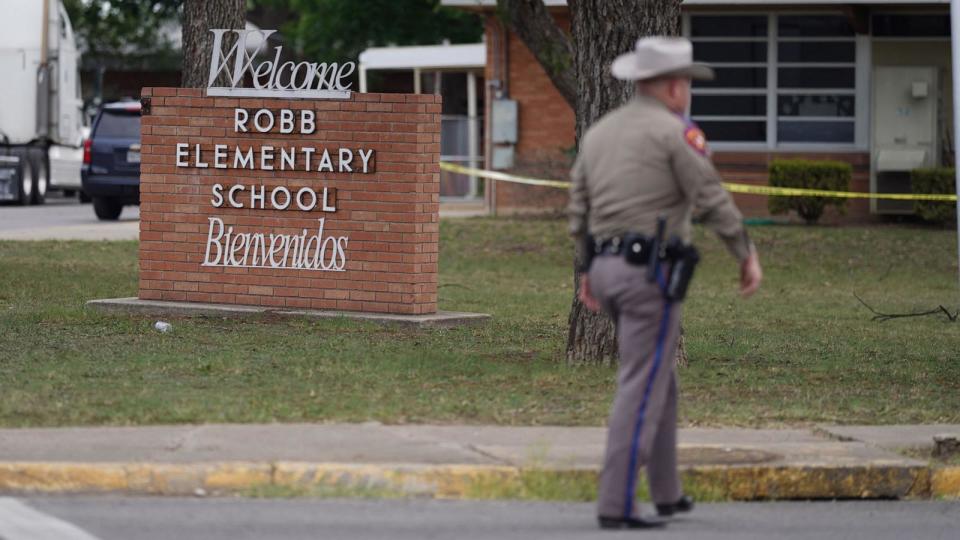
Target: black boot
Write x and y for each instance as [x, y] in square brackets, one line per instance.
[683, 504]
[629, 523]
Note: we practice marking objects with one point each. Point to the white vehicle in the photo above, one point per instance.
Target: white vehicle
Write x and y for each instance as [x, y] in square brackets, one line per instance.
[41, 110]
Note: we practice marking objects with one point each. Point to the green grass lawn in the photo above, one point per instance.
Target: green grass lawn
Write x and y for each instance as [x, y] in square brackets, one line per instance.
[803, 350]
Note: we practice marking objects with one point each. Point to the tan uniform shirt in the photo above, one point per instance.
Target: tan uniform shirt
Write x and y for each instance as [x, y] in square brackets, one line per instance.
[640, 162]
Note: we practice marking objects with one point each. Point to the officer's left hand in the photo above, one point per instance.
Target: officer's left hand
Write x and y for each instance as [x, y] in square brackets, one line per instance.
[750, 274]
[586, 296]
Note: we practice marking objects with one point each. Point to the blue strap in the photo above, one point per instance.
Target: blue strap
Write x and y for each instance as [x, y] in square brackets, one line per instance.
[641, 413]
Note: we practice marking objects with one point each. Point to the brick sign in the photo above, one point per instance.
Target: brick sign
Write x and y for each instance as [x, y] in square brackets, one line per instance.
[290, 203]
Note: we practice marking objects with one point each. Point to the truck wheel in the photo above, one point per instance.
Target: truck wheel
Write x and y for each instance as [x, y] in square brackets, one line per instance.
[25, 185]
[41, 179]
[107, 209]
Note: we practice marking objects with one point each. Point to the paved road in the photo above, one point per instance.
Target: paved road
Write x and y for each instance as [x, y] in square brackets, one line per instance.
[65, 219]
[112, 518]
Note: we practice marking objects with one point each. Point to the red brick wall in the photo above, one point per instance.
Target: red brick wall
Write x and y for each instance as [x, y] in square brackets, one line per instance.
[389, 215]
[546, 124]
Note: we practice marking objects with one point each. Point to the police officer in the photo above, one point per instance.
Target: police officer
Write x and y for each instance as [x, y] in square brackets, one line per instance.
[644, 169]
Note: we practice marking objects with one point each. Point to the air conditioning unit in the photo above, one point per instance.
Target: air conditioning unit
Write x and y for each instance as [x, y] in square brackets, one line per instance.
[904, 133]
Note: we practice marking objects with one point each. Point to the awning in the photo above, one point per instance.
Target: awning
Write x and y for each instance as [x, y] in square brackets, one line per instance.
[470, 56]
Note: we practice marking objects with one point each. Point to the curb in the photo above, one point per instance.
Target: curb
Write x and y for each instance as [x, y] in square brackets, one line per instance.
[466, 481]
[945, 482]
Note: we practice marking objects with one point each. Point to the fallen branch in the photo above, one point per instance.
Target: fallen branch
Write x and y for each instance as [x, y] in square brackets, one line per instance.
[881, 317]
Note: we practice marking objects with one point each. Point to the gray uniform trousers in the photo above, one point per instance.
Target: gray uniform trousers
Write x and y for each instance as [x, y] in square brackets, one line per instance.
[643, 420]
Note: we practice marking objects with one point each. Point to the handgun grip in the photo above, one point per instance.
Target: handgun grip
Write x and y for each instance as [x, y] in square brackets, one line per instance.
[653, 260]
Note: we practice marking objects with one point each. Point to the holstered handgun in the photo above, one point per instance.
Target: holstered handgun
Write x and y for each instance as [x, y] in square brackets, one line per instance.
[685, 259]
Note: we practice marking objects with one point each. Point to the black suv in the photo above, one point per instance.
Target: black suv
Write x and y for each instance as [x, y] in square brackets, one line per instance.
[111, 159]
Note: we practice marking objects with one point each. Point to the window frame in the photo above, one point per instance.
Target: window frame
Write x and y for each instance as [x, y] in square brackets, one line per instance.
[907, 11]
[860, 91]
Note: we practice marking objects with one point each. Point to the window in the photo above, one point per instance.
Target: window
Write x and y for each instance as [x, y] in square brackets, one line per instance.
[119, 124]
[780, 79]
[732, 107]
[816, 79]
[903, 25]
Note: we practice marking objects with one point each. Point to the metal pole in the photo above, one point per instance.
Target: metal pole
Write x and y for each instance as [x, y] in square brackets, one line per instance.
[363, 78]
[45, 34]
[473, 132]
[955, 57]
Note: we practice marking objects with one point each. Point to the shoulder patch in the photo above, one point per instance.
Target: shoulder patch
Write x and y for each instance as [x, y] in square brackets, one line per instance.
[696, 139]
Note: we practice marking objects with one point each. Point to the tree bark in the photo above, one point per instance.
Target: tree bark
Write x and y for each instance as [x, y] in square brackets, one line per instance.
[530, 20]
[601, 30]
[199, 17]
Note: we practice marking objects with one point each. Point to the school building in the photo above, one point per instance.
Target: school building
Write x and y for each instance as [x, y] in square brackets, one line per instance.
[865, 82]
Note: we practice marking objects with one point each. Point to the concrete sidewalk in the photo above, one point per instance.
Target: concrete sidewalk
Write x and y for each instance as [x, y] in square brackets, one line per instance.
[462, 461]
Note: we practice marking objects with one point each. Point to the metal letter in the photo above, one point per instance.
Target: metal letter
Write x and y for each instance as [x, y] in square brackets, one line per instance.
[217, 200]
[273, 198]
[286, 121]
[215, 241]
[240, 125]
[256, 120]
[308, 118]
[182, 153]
[365, 158]
[345, 163]
[258, 197]
[196, 158]
[313, 199]
[230, 198]
[266, 154]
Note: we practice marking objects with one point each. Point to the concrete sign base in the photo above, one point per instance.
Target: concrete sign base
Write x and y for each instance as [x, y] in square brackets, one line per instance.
[137, 306]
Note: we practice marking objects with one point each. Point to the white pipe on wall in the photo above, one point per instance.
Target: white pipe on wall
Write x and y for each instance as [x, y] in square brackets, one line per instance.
[473, 131]
[955, 51]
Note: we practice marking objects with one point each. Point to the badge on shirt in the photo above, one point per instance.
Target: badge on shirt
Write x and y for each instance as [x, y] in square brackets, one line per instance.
[696, 139]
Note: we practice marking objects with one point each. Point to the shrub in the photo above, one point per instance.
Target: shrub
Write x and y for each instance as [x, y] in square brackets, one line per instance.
[799, 173]
[940, 180]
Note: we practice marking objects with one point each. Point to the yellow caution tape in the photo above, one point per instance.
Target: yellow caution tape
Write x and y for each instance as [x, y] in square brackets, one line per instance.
[731, 187]
[799, 192]
[503, 177]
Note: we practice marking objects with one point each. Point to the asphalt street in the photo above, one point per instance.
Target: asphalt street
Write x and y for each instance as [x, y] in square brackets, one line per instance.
[65, 219]
[116, 518]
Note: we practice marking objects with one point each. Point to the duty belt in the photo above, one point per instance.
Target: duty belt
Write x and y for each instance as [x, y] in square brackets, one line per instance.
[639, 250]
[634, 246]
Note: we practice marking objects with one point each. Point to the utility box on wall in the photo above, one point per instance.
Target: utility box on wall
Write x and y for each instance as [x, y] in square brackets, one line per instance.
[905, 131]
[504, 131]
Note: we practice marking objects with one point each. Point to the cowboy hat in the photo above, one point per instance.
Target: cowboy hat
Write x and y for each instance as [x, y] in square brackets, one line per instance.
[657, 56]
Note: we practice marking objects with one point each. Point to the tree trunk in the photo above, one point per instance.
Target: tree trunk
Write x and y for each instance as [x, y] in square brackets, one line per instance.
[603, 29]
[199, 17]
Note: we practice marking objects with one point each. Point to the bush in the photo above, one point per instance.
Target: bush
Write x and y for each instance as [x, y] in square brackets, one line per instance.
[940, 180]
[799, 173]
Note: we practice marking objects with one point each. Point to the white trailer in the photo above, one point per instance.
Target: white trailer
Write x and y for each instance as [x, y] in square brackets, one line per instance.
[41, 109]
